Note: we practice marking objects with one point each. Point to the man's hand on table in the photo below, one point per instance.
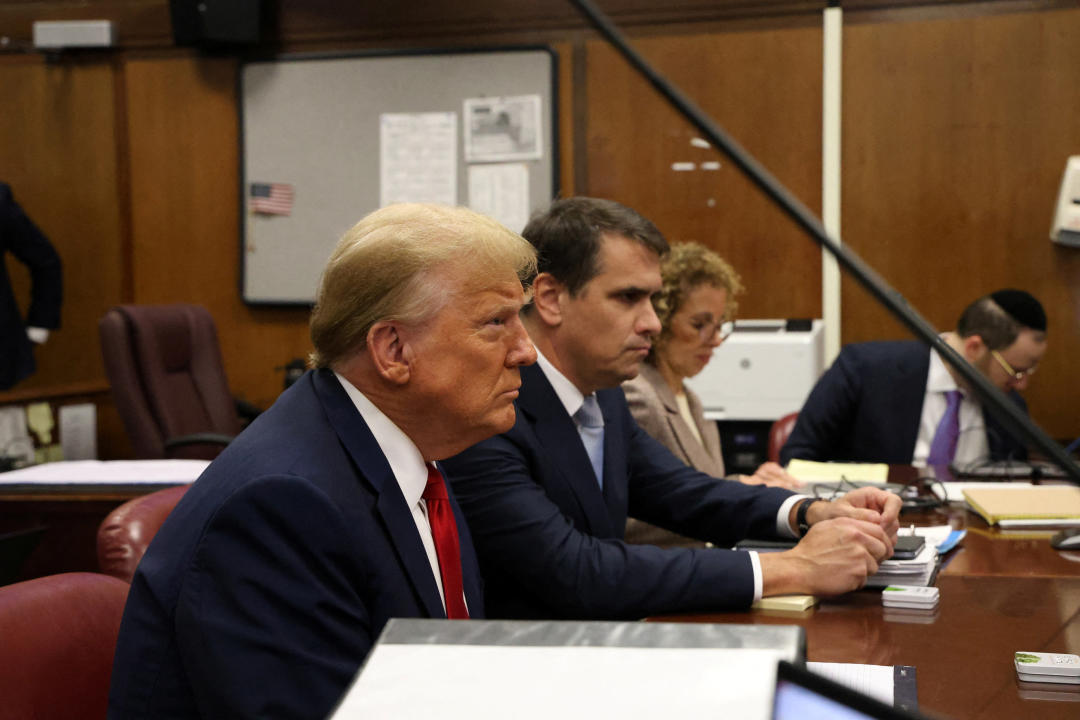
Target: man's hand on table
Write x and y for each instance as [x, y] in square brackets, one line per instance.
[847, 540]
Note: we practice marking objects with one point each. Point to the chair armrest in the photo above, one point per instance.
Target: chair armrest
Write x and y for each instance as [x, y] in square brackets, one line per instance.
[246, 411]
[204, 438]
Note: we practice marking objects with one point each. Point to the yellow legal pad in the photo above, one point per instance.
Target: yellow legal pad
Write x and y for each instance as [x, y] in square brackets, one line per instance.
[811, 471]
[786, 602]
[1034, 502]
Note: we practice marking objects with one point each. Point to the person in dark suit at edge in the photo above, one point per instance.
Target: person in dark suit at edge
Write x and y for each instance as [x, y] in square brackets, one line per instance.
[264, 590]
[884, 401]
[20, 237]
[547, 501]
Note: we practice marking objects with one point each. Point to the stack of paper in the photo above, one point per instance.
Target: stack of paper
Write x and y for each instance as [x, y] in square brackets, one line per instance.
[919, 570]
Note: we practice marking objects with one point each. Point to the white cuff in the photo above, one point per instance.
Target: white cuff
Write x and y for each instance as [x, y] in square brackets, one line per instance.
[759, 586]
[783, 527]
[37, 335]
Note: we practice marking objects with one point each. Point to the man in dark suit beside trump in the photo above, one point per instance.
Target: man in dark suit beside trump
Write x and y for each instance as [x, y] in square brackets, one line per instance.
[270, 581]
[547, 500]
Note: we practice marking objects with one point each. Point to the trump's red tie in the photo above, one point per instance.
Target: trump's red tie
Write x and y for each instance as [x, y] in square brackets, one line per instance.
[447, 548]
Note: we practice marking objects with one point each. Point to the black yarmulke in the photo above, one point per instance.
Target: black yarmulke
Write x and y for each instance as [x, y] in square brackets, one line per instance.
[1021, 307]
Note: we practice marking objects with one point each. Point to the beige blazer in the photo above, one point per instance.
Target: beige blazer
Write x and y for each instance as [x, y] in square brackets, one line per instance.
[654, 407]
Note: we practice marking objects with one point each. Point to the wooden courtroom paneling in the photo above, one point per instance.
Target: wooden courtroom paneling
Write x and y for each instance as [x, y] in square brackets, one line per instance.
[764, 87]
[146, 23]
[955, 137]
[956, 132]
[58, 153]
[183, 140]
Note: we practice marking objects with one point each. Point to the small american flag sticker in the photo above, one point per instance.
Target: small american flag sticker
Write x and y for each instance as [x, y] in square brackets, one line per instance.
[271, 198]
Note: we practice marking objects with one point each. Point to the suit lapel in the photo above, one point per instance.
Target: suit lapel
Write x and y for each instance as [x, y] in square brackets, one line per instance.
[693, 450]
[908, 396]
[710, 437]
[390, 505]
[616, 491]
[558, 435]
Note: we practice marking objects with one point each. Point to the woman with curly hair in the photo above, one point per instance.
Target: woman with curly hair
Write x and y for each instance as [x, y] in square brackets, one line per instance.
[695, 308]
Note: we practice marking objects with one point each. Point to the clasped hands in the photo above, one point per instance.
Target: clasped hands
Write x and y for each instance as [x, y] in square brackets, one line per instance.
[848, 538]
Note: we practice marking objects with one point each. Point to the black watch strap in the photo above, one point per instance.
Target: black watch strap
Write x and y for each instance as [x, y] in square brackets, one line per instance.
[800, 516]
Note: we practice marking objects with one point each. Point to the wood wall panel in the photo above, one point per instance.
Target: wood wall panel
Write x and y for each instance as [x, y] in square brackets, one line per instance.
[146, 23]
[58, 153]
[292, 23]
[956, 134]
[762, 86]
[184, 144]
[955, 137]
[564, 54]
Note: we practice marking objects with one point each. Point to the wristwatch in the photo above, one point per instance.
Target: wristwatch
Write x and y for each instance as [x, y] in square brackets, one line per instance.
[800, 516]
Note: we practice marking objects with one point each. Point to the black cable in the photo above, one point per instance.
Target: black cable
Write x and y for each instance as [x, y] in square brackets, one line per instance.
[993, 399]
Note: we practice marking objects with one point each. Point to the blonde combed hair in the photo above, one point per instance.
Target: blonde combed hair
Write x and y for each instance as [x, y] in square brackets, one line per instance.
[382, 270]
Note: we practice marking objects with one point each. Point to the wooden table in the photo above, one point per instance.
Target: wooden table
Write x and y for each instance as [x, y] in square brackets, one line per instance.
[72, 516]
[999, 593]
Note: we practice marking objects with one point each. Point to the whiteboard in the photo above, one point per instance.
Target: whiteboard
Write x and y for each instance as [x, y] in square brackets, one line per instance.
[313, 123]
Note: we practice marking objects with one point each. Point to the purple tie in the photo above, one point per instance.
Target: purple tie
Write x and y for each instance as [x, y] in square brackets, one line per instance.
[943, 448]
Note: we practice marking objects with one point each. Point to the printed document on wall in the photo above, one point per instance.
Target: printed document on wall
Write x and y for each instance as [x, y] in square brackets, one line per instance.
[418, 158]
[503, 128]
[501, 191]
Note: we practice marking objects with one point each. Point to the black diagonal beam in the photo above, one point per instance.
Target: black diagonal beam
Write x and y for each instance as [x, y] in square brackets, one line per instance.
[1004, 409]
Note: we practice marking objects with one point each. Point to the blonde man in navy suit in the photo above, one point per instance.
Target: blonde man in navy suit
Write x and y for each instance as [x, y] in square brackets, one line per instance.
[263, 592]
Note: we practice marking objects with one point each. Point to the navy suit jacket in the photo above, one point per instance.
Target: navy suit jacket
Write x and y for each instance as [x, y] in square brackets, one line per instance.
[550, 542]
[868, 404]
[264, 590]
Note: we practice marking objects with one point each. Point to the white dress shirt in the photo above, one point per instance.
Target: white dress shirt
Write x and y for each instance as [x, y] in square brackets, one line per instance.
[972, 446]
[408, 467]
[572, 399]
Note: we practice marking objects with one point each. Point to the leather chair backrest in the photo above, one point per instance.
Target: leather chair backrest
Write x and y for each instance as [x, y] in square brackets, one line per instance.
[779, 434]
[126, 532]
[57, 639]
[167, 376]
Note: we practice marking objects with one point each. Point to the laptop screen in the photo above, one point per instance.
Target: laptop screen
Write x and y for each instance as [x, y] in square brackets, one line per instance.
[803, 695]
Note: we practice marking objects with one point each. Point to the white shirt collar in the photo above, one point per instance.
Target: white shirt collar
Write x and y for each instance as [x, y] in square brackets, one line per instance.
[401, 453]
[569, 395]
[938, 378]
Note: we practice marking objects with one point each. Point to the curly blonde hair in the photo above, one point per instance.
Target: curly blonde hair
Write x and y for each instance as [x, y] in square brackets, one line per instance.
[687, 267]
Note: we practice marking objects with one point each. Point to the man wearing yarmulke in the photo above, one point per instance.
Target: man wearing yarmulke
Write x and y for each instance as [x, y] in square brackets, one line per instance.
[898, 402]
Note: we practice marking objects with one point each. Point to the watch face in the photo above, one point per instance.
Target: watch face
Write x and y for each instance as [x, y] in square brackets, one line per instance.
[800, 516]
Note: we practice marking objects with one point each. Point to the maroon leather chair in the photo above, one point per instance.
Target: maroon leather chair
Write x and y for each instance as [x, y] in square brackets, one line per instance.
[779, 434]
[126, 532]
[168, 380]
[57, 639]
